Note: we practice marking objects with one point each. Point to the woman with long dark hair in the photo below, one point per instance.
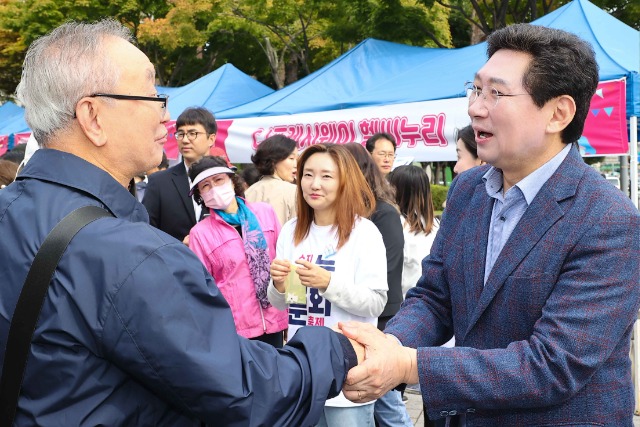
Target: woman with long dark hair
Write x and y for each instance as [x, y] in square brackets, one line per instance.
[419, 224]
[389, 410]
[386, 218]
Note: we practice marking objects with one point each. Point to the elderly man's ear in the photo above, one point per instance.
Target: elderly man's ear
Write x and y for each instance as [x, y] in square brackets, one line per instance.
[89, 121]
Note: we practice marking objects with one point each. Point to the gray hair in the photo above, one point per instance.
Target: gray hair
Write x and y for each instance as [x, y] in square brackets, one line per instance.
[61, 68]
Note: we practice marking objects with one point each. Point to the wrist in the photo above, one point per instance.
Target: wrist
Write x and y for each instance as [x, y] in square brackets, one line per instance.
[411, 366]
[279, 285]
[323, 286]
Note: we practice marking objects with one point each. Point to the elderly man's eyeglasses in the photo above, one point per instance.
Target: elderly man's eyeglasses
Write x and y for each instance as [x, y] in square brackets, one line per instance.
[491, 97]
[191, 135]
[158, 98]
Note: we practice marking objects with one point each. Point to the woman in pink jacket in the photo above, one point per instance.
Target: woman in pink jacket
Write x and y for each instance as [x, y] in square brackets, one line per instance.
[237, 243]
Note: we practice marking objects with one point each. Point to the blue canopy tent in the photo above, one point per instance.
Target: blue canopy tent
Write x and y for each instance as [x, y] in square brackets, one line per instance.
[15, 124]
[11, 122]
[383, 73]
[9, 110]
[219, 90]
[171, 91]
[374, 72]
[368, 66]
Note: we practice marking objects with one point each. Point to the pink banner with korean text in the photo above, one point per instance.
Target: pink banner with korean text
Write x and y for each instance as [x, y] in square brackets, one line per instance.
[424, 130]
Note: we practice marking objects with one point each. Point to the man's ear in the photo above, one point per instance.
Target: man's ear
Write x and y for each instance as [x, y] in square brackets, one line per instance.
[88, 117]
[212, 140]
[564, 109]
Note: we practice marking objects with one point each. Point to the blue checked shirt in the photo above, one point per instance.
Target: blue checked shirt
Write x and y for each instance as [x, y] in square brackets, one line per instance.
[508, 208]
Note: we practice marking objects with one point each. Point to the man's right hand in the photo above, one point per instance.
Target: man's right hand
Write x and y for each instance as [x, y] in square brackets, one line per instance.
[386, 364]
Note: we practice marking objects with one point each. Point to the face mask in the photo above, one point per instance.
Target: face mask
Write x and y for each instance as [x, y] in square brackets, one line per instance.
[219, 197]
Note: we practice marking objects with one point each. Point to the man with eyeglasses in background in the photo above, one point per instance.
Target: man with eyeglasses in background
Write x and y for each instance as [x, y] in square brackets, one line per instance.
[382, 147]
[133, 330]
[167, 194]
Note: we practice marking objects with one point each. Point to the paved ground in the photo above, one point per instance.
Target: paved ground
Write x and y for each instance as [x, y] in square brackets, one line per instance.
[414, 407]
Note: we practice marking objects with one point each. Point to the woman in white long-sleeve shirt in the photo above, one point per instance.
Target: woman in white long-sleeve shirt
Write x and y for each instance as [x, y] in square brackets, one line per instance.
[338, 255]
[419, 225]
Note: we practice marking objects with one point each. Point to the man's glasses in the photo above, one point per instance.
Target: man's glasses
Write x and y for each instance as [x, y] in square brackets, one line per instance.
[191, 135]
[473, 92]
[385, 155]
[158, 98]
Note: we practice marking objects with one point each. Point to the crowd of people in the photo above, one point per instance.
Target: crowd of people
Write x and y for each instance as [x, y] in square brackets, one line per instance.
[513, 308]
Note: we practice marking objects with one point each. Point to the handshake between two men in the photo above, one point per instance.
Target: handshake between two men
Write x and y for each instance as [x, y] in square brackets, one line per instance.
[383, 362]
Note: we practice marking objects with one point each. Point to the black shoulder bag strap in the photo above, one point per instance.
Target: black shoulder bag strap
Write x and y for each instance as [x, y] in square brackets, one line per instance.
[25, 316]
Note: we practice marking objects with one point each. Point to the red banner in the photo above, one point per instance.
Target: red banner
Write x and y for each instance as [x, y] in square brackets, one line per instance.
[605, 131]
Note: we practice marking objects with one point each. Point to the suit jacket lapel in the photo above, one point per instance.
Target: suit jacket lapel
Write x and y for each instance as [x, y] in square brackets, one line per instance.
[543, 212]
[474, 254]
[181, 182]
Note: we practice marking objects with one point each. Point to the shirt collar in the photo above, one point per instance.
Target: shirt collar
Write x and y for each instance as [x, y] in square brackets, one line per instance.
[186, 168]
[532, 183]
[71, 171]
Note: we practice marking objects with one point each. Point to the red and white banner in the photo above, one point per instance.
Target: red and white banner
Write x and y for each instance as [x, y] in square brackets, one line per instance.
[424, 131]
[21, 138]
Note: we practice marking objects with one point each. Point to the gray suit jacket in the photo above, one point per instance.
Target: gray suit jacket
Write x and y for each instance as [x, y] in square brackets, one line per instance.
[546, 340]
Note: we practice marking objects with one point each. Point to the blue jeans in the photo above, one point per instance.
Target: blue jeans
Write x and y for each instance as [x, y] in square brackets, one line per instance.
[357, 416]
[391, 412]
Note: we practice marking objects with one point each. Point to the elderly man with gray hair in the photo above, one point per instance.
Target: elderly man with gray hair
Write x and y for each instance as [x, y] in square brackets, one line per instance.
[132, 330]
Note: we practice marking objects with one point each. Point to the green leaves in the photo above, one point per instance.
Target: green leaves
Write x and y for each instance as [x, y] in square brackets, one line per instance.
[277, 41]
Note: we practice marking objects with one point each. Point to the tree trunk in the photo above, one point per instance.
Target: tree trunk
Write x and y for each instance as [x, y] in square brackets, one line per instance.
[277, 68]
[291, 70]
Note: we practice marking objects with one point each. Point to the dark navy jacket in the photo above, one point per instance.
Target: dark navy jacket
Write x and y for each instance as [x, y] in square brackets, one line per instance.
[133, 330]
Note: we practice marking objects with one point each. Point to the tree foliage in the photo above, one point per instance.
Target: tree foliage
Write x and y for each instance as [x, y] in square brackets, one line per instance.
[627, 11]
[482, 17]
[276, 41]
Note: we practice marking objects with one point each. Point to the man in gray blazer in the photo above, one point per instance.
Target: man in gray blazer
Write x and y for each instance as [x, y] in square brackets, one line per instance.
[535, 269]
